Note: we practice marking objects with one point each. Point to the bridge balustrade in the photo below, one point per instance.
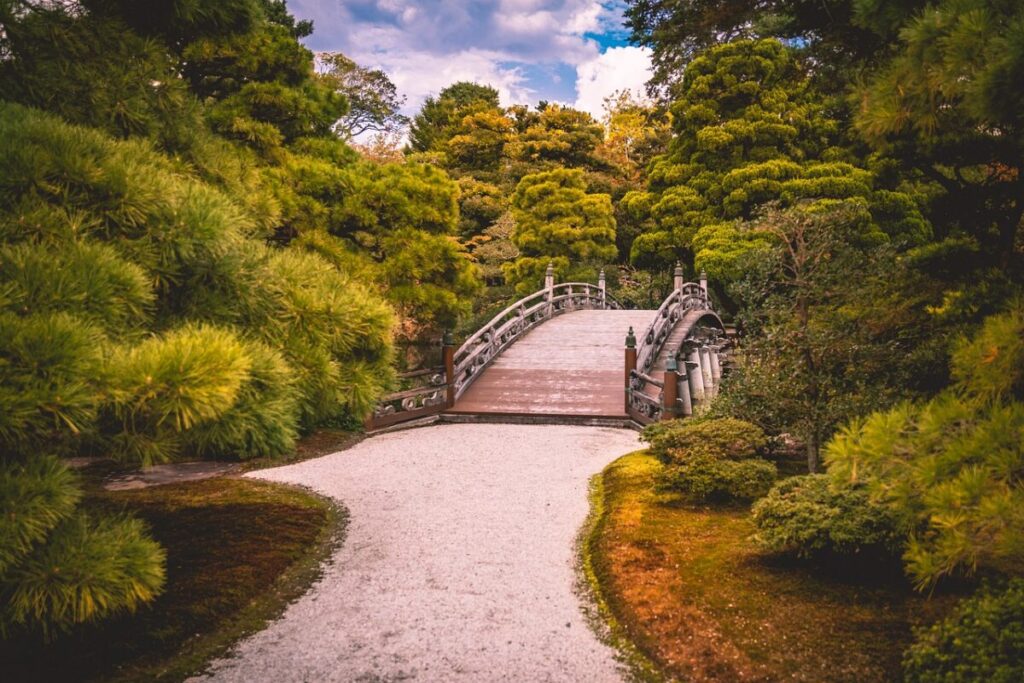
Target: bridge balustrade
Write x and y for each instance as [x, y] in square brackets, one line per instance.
[650, 398]
[463, 365]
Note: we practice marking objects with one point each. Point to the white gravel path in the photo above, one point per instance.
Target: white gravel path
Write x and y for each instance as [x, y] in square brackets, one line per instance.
[458, 564]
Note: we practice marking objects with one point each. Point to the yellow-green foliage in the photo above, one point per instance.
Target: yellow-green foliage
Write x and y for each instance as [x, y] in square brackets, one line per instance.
[50, 381]
[950, 468]
[749, 130]
[60, 567]
[983, 640]
[104, 566]
[724, 437]
[168, 385]
[558, 222]
[811, 516]
[34, 497]
[108, 236]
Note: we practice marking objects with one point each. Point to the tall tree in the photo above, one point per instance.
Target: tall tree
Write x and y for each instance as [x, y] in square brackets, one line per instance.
[559, 222]
[749, 129]
[949, 105]
[433, 125]
[373, 100]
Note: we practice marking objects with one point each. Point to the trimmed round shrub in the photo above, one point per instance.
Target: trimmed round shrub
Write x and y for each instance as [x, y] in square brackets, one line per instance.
[34, 497]
[724, 437]
[264, 419]
[87, 569]
[705, 478]
[983, 640]
[807, 516]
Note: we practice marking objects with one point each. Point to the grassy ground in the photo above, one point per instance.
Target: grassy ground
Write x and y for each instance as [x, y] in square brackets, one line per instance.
[238, 551]
[687, 588]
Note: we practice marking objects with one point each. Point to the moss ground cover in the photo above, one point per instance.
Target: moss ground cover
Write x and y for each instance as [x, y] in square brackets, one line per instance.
[238, 551]
[691, 591]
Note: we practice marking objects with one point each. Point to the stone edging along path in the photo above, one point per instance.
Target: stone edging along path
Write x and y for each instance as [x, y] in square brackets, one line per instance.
[458, 563]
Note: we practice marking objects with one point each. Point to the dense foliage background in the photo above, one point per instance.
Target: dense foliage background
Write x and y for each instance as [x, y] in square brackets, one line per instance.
[198, 259]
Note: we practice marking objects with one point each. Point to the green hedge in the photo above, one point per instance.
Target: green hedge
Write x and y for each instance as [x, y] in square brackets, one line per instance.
[809, 516]
[983, 640]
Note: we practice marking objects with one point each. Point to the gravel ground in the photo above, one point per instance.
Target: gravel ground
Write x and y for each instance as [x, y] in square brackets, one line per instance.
[458, 564]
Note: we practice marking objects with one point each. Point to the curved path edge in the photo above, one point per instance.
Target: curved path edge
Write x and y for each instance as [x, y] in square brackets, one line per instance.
[459, 562]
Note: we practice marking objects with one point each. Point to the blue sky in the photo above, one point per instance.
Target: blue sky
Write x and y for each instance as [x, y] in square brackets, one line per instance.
[570, 51]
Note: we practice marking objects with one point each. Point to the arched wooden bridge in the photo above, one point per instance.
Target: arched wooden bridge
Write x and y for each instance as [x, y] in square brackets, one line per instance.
[571, 353]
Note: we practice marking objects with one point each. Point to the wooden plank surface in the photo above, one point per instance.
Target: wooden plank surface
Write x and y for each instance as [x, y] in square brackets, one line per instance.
[570, 365]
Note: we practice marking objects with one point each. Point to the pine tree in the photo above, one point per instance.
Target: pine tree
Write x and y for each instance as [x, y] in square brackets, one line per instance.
[558, 222]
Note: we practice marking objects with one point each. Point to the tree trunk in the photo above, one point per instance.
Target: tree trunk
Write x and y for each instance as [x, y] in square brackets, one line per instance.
[812, 452]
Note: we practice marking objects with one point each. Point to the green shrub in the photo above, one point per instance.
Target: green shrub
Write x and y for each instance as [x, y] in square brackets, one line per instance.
[49, 391]
[706, 478]
[983, 640]
[949, 468]
[169, 384]
[88, 280]
[264, 419]
[87, 569]
[808, 516]
[720, 438]
[34, 497]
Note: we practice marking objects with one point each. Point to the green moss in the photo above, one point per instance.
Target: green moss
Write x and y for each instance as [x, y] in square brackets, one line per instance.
[238, 552]
[688, 590]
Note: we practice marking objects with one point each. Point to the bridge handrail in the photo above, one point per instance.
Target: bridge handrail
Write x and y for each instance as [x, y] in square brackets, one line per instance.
[690, 295]
[687, 297]
[484, 345]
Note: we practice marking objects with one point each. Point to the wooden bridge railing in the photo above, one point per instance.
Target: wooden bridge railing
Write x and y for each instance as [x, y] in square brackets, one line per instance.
[674, 393]
[463, 365]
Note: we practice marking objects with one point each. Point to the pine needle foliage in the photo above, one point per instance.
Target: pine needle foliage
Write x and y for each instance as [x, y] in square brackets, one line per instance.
[88, 569]
[35, 496]
[950, 468]
[558, 221]
[49, 381]
[169, 384]
[263, 421]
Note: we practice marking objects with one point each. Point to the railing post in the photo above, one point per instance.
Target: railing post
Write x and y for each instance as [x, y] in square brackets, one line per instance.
[630, 361]
[704, 283]
[448, 354]
[677, 277]
[669, 391]
[549, 287]
[601, 289]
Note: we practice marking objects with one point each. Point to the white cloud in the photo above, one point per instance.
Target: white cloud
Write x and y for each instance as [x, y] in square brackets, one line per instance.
[517, 46]
[419, 74]
[618, 68]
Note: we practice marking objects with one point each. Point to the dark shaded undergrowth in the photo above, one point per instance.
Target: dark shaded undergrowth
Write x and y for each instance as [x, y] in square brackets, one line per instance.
[686, 586]
[237, 552]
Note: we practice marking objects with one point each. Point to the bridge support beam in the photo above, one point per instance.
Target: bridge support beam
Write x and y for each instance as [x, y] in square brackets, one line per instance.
[716, 367]
[630, 362]
[705, 369]
[694, 374]
[669, 407]
[683, 384]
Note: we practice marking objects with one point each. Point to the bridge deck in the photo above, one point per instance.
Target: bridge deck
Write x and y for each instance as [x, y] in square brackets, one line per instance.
[570, 365]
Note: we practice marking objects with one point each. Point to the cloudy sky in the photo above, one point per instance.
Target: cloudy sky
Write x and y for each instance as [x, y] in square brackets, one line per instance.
[570, 51]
